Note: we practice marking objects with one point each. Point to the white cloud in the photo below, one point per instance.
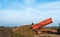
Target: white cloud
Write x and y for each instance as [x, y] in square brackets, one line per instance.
[52, 7]
[38, 12]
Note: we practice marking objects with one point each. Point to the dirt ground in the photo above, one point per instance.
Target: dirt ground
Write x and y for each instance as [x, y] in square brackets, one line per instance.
[47, 35]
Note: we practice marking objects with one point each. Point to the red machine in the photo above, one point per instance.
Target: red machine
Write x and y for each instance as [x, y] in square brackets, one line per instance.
[41, 24]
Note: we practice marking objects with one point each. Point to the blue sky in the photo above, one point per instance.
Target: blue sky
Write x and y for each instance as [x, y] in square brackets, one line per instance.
[23, 12]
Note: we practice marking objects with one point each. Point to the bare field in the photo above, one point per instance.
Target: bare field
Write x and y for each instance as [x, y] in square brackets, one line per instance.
[25, 31]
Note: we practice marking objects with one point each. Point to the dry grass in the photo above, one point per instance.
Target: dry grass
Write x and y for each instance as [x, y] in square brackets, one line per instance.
[25, 31]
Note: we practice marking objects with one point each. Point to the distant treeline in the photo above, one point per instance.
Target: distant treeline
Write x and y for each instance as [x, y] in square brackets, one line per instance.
[7, 27]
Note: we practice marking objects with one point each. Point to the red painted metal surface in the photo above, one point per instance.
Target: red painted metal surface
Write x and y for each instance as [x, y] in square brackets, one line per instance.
[41, 24]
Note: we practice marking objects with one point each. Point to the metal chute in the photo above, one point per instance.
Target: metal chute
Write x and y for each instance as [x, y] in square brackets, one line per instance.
[41, 24]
